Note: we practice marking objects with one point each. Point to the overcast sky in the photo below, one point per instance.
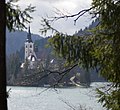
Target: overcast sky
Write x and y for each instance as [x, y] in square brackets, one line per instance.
[48, 8]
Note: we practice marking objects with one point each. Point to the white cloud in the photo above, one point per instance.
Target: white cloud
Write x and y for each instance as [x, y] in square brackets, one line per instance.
[66, 5]
[47, 7]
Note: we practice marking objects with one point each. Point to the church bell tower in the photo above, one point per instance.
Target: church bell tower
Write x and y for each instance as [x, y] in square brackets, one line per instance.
[30, 56]
[29, 45]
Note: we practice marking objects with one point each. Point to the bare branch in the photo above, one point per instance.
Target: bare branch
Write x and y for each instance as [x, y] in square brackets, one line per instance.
[78, 15]
[68, 104]
[37, 76]
[46, 23]
[63, 71]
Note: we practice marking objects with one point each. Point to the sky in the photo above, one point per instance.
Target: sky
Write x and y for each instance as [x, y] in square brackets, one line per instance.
[49, 8]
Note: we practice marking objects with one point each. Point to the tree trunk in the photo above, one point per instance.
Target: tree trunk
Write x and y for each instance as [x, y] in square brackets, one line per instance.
[3, 95]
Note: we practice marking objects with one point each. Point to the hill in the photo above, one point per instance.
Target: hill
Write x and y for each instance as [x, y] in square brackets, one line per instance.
[17, 76]
[85, 31]
[15, 40]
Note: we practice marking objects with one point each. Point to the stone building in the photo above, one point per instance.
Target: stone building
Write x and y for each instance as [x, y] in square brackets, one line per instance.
[29, 56]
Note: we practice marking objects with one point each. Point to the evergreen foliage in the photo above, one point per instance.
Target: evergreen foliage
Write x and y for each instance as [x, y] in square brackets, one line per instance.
[17, 18]
[11, 17]
[99, 50]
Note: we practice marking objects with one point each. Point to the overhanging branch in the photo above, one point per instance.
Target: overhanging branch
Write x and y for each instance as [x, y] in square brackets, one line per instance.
[39, 77]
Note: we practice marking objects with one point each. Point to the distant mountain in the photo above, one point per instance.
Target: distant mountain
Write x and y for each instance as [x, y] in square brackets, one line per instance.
[42, 50]
[85, 32]
[15, 40]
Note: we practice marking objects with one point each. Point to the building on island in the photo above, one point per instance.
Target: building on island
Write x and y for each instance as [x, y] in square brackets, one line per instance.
[29, 56]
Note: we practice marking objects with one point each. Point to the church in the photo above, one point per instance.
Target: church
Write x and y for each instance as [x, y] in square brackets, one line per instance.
[30, 57]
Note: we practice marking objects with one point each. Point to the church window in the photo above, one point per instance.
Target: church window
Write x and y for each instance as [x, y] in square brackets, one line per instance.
[26, 46]
[30, 46]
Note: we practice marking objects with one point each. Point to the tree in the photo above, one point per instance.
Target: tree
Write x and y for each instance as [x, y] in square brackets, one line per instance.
[12, 17]
[99, 50]
[3, 100]
[13, 67]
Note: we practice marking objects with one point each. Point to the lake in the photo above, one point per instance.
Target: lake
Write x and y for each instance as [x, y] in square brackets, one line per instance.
[38, 98]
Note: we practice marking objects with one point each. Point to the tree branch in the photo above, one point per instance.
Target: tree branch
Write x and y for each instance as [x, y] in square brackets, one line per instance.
[39, 77]
[78, 15]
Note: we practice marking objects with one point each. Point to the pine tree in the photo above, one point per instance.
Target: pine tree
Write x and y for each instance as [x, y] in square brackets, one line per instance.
[98, 50]
[12, 17]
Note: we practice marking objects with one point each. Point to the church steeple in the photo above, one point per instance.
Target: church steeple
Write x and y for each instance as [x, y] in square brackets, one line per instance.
[29, 36]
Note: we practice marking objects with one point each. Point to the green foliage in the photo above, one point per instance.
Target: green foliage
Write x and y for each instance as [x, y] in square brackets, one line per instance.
[73, 49]
[100, 49]
[15, 18]
[111, 99]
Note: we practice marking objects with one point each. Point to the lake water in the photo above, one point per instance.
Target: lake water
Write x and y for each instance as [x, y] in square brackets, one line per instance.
[37, 98]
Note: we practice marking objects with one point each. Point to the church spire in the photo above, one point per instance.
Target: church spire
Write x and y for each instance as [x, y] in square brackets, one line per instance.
[29, 36]
[29, 29]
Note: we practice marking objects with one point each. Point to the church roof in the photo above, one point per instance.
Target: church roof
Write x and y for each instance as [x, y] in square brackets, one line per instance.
[29, 36]
[22, 65]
